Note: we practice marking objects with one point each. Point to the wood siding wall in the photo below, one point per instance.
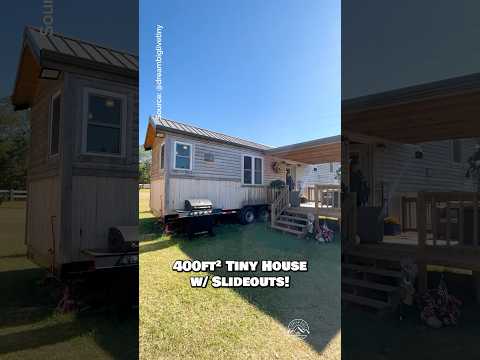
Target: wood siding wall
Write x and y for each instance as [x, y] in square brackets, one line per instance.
[43, 219]
[225, 194]
[322, 175]
[39, 162]
[157, 196]
[226, 164]
[403, 175]
[98, 204]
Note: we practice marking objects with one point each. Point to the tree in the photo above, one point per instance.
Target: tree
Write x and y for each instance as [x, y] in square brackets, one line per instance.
[14, 141]
[144, 166]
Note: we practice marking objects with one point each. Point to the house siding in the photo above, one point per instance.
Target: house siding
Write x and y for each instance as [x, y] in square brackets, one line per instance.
[403, 175]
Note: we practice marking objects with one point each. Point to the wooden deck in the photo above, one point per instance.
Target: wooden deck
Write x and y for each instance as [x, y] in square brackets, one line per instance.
[322, 211]
[458, 256]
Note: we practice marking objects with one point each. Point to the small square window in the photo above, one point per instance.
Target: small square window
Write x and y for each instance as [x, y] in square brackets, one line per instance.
[208, 157]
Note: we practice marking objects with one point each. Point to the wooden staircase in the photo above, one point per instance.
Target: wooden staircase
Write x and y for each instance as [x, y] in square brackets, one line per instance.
[371, 282]
[285, 218]
[291, 222]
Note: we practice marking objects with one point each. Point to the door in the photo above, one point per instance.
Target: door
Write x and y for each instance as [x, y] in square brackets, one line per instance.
[361, 174]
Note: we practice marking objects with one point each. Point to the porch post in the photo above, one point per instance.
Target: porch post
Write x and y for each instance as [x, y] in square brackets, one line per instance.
[421, 246]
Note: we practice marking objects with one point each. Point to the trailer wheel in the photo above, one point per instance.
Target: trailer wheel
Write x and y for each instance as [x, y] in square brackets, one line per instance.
[247, 216]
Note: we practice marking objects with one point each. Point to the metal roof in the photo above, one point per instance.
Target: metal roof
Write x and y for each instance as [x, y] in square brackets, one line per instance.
[177, 127]
[75, 48]
[447, 87]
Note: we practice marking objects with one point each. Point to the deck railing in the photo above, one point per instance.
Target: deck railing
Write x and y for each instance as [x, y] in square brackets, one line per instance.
[452, 219]
[279, 203]
[326, 196]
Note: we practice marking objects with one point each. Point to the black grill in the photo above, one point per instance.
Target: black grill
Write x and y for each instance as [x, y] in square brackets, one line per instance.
[197, 207]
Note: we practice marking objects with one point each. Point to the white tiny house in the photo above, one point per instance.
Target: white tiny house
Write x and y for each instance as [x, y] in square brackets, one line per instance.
[234, 174]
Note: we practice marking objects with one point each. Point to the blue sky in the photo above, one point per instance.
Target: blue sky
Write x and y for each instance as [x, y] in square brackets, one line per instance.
[263, 70]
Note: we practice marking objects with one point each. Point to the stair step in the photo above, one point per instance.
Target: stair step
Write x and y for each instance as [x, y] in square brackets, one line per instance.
[373, 270]
[369, 285]
[296, 218]
[291, 231]
[295, 214]
[376, 304]
[290, 223]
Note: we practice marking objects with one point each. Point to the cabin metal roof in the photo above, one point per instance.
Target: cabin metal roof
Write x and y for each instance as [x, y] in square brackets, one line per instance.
[310, 152]
[162, 124]
[67, 47]
[65, 53]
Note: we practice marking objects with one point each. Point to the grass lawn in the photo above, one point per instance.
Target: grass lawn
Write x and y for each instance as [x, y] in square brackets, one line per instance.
[177, 321]
[12, 228]
[30, 326]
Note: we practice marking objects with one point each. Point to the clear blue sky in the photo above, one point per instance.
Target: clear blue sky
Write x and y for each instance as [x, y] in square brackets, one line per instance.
[263, 70]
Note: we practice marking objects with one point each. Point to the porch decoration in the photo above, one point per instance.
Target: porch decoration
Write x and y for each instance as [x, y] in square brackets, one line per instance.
[276, 167]
[439, 308]
[391, 226]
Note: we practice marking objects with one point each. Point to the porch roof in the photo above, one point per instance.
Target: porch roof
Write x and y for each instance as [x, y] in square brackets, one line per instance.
[446, 109]
[311, 152]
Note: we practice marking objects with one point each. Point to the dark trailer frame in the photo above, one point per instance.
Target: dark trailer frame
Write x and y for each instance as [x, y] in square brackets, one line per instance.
[82, 101]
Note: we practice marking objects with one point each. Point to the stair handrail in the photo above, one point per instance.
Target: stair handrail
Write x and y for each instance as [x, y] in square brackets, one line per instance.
[281, 202]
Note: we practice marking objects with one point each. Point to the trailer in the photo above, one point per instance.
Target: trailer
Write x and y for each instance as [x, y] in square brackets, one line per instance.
[82, 183]
[236, 175]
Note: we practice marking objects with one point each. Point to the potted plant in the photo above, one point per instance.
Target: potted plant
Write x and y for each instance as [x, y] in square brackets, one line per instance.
[391, 226]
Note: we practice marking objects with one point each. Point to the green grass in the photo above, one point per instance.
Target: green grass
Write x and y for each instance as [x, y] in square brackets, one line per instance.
[177, 321]
[12, 225]
[31, 328]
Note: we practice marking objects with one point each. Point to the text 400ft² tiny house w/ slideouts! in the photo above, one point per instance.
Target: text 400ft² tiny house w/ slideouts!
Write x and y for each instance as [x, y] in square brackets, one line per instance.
[233, 174]
[83, 160]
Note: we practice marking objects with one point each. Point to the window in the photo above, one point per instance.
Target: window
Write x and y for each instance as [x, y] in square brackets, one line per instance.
[54, 131]
[252, 170]
[457, 151]
[208, 157]
[162, 156]
[331, 167]
[183, 156]
[104, 130]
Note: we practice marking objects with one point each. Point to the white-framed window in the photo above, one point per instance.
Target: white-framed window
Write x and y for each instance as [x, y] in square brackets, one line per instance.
[252, 170]
[182, 159]
[456, 146]
[162, 156]
[331, 167]
[54, 125]
[104, 124]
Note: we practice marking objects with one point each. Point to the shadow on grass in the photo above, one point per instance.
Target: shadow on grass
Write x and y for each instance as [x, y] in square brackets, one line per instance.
[28, 318]
[313, 296]
[365, 335]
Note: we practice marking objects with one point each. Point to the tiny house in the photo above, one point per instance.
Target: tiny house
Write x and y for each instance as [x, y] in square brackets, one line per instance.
[234, 174]
[83, 156]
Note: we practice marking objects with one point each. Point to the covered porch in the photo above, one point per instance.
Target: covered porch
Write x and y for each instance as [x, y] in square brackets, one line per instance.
[439, 227]
[322, 200]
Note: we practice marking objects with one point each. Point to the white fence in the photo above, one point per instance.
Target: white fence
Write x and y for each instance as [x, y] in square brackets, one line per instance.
[13, 195]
